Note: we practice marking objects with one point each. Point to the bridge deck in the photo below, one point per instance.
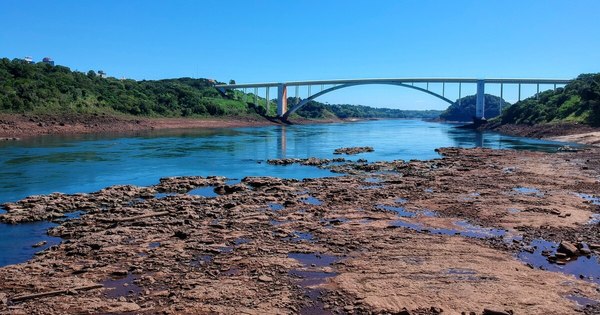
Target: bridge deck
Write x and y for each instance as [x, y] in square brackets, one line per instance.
[403, 80]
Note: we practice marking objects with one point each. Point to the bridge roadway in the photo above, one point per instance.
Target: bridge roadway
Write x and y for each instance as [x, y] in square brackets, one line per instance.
[332, 85]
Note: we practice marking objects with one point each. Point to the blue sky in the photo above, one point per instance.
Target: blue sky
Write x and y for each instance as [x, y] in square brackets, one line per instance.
[257, 41]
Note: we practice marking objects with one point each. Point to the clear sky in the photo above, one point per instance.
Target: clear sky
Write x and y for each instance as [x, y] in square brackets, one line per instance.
[277, 40]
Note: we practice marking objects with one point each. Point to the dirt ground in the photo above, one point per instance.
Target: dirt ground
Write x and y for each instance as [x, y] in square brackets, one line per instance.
[456, 235]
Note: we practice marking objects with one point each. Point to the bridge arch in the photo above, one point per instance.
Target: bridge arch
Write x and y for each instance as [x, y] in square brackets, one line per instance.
[341, 86]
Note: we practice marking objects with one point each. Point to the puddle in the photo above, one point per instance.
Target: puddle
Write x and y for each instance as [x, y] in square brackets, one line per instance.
[331, 222]
[372, 180]
[154, 244]
[136, 201]
[164, 195]
[427, 213]
[307, 279]
[581, 301]
[201, 260]
[300, 236]
[310, 200]
[398, 210]
[401, 200]
[313, 260]
[466, 229]
[317, 307]
[122, 286]
[528, 191]
[593, 199]
[275, 206]
[17, 240]
[428, 190]
[311, 278]
[208, 192]
[595, 219]
[581, 267]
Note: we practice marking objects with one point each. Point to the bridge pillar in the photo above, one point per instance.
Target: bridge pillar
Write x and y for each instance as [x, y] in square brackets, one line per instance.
[480, 104]
[281, 99]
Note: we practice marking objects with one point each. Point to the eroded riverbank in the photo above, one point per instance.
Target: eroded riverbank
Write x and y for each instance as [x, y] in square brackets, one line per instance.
[462, 233]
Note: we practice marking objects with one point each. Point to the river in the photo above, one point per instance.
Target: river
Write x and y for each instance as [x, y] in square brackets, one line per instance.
[87, 163]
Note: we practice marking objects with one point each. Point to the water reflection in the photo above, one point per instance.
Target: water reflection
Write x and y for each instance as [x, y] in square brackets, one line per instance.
[282, 142]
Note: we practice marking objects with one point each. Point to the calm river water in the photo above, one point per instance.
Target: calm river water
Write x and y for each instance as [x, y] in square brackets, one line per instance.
[90, 162]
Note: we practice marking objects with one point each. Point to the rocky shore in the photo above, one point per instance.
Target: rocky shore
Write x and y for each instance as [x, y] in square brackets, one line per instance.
[477, 231]
[566, 132]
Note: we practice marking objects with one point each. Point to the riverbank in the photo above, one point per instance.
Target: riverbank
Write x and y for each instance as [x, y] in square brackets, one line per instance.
[15, 126]
[477, 229]
[567, 132]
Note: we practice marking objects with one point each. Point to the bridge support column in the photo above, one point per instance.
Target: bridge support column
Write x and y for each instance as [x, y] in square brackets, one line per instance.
[480, 104]
[281, 99]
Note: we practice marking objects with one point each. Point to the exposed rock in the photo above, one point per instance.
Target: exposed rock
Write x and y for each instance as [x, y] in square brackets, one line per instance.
[264, 278]
[568, 248]
[39, 244]
[353, 150]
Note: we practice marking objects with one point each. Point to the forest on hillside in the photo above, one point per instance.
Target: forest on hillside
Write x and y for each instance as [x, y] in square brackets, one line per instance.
[578, 101]
[464, 109]
[45, 88]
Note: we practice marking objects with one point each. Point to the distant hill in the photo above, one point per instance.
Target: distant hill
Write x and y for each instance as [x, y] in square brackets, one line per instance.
[465, 109]
[578, 101]
[316, 109]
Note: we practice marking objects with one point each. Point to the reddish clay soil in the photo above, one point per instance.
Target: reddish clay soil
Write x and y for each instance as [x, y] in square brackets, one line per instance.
[444, 236]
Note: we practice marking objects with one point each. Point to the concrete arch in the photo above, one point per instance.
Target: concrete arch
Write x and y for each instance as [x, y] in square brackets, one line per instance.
[312, 97]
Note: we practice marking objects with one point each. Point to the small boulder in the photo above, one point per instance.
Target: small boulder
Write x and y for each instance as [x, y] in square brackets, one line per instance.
[40, 244]
[265, 278]
[568, 248]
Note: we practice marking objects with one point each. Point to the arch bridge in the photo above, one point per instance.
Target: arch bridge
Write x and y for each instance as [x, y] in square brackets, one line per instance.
[322, 87]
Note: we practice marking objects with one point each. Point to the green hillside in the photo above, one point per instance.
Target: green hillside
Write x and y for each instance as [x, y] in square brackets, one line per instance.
[465, 109]
[53, 89]
[579, 101]
[316, 109]
[42, 88]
